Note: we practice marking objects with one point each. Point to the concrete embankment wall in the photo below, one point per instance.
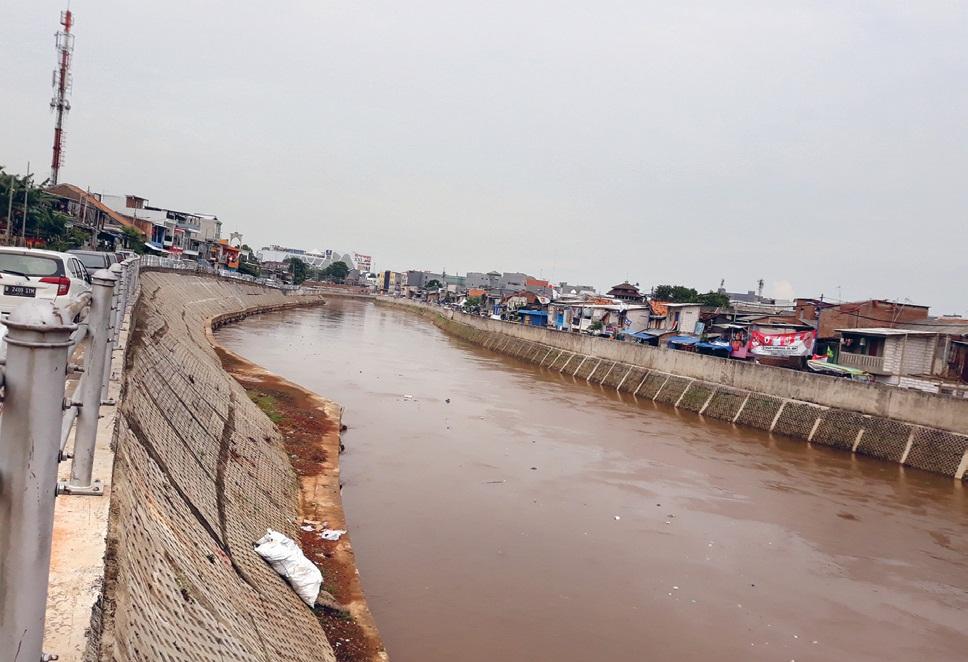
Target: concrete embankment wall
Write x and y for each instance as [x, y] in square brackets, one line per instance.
[199, 474]
[921, 430]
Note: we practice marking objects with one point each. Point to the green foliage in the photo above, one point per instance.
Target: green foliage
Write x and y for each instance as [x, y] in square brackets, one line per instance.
[268, 405]
[298, 269]
[133, 240]
[433, 284]
[250, 269]
[675, 294]
[337, 271]
[595, 326]
[472, 302]
[682, 294]
[61, 238]
[717, 299]
[43, 221]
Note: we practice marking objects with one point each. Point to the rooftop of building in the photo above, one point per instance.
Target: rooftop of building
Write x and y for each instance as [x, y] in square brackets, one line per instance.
[885, 332]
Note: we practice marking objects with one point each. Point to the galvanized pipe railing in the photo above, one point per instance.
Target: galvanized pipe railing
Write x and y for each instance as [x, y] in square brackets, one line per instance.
[197, 267]
[87, 409]
[34, 430]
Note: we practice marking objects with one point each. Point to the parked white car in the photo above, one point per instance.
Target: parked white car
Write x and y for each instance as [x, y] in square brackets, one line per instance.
[27, 273]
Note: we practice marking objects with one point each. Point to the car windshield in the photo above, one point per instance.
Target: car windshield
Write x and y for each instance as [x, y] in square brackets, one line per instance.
[92, 260]
[30, 265]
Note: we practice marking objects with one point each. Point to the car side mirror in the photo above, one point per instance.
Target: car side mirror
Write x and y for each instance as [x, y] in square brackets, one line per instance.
[87, 277]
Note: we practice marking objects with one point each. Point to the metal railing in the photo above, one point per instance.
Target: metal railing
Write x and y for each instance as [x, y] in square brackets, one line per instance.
[174, 264]
[34, 429]
[862, 361]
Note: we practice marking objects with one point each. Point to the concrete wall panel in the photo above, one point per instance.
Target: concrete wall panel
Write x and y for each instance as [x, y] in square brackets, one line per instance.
[672, 390]
[839, 428]
[586, 367]
[760, 411]
[696, 396]
[650, 387]
[633, 380]
[797, 419]
[603, 369]
[725, 404]
[935, 450]
[617, 374]
[884, 438]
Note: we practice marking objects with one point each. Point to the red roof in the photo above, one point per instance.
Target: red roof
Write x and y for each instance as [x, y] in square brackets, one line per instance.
[534, 282]
[76, 193]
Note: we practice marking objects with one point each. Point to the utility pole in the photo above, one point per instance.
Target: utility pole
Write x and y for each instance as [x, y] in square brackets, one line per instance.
[23, 226]
[13, 186]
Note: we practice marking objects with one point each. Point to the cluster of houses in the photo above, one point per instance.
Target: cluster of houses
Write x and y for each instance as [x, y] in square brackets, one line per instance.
[875, 340]
[164, 232]
[274, 261]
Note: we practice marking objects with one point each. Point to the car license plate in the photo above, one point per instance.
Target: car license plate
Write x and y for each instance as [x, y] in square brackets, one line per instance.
[19, 291]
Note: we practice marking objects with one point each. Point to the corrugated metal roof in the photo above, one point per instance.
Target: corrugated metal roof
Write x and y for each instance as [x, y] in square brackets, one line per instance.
[683, 340]
[876, 331]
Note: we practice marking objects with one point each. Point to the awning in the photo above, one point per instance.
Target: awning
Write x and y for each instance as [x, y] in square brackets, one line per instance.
[714, 348]
[644, 337]
[825, 367]
[155, 247]
[683, 341]
[536, 313]
[191, 253]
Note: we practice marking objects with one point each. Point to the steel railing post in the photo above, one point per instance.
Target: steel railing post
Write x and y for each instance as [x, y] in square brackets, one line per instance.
[112, 335]
[85, 434]
[118, 271]
[37, 346]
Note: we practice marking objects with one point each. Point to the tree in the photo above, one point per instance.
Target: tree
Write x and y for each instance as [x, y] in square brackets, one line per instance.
[473, 302]
[133, 239]
[675, 294]
[250, 269]
[682, 294]
[710, 298]
[433, 284]
[336, 272]
[298, 270]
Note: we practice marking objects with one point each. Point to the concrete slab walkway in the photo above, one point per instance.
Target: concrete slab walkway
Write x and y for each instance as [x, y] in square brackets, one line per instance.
[80, 529]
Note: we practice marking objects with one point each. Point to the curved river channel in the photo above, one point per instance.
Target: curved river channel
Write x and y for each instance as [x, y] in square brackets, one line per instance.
[536, 517]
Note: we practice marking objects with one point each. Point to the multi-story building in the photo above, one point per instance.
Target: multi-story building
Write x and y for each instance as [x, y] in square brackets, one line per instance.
[178, 233]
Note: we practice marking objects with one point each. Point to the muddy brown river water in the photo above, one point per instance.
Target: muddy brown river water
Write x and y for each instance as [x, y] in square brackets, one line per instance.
[536, 517]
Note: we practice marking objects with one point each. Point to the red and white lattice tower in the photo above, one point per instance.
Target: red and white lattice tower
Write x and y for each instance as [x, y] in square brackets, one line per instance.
[62, 89]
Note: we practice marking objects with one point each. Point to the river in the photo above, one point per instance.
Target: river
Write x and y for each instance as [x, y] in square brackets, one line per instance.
[500, 511]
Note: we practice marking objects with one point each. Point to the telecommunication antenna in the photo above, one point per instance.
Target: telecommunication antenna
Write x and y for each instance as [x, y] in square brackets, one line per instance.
[61, 82]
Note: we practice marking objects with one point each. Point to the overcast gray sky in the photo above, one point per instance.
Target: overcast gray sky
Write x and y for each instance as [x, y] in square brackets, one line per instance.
[821, 146]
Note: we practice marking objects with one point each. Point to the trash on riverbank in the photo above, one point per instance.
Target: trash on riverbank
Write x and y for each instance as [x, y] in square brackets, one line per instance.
[285, 557]
[332, 534]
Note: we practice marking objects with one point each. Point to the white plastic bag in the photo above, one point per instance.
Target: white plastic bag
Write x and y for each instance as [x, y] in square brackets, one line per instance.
[285, 557]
